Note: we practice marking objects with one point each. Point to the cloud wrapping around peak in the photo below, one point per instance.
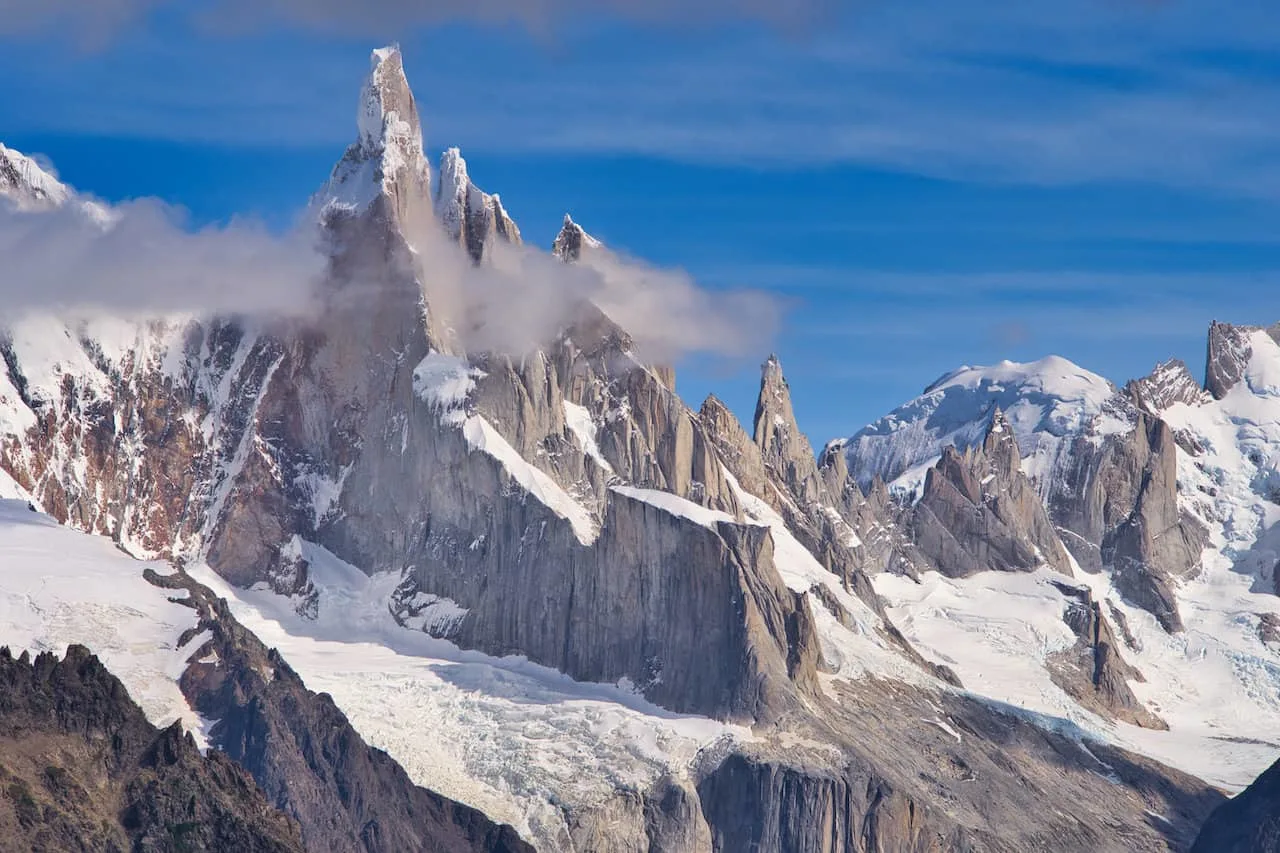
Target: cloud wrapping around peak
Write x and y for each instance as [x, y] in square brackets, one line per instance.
[520, 298]
[138, 260]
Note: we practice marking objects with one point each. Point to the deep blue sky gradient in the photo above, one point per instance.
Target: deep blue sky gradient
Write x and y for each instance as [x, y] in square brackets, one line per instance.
[917, 197]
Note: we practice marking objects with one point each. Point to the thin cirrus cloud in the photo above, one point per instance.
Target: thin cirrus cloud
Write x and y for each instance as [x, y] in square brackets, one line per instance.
[1173, 94]
[98, 21]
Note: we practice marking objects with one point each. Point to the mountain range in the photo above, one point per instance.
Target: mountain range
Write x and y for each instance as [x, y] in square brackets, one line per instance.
[432, 587]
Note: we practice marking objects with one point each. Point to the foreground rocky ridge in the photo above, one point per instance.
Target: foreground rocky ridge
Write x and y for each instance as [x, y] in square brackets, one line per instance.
[1248, 823]
[309, 761]
[82, 769]
[565, 504]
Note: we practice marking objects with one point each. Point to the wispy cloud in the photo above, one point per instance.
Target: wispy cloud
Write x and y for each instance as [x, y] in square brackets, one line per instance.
[97, 21]
[1174, 94]
[1055, 95]
[143, 260]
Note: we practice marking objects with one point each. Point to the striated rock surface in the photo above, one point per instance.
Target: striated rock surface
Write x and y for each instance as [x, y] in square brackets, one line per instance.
[1120, 508]
[82, 769]
[785, 449]
[1171, 382]
[979, 513]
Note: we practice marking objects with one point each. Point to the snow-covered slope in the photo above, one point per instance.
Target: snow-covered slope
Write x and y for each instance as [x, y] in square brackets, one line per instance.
[1229, 465]
[568, 505]
[1216, 684]
[505, 735]
[1048, 402]
[1215, 677]
[59, 587]
[515, 739]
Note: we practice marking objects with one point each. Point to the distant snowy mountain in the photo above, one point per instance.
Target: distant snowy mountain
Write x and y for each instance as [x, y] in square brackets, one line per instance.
[1048, 403]
[1185, 574]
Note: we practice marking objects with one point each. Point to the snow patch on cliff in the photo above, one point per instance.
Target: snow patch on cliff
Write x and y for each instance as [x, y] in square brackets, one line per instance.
[446, 382]
[583, 426]
[481, 436]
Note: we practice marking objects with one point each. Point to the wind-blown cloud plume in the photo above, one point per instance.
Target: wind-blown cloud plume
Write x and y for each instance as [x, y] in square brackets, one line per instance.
[520, 298]
[139, 259]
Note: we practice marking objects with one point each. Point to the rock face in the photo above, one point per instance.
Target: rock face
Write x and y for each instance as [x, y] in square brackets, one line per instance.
[1247, 823]
[1171, 382]
[82, 769]
[1102, 462]
[979, 513]
[572, 241]
[1094, 670]
[312, 765]
[1228, 355]
[966, 785]
[785, 449]
[1120, 509]
[471, 217]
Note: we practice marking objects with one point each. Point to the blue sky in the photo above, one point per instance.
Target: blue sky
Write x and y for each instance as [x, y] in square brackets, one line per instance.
[921, 184]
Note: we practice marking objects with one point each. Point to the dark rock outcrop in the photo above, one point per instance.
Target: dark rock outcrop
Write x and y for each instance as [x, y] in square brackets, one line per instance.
[1247, 823]
[81, 769]
[471, 217]
[1093, 671]
[572, 241]
[1228, 355]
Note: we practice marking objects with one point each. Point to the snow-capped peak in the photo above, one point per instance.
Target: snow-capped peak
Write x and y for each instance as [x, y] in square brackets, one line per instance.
[387, 159]
[27, 184]
[470, 215]
[453, 189]
[387, 112]
[1046, 402]
[572, 241]
[1171, 382]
